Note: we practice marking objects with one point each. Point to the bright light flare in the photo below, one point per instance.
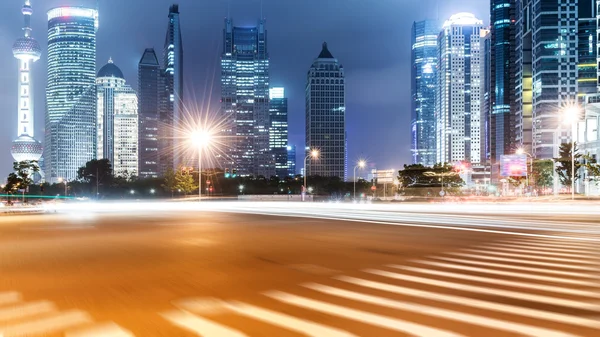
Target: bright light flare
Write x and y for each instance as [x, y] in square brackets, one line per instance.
[520, 151]
[314, 153]
[201, 138]
[570, 113]
[362, 163]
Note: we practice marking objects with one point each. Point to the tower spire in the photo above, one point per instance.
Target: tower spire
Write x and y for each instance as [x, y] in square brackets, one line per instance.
[27, 11]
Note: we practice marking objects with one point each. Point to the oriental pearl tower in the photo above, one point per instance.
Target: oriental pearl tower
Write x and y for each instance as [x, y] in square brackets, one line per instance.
[27, 50]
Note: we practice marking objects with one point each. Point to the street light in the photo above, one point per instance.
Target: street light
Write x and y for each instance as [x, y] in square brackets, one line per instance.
[361, 164]
[313, 154]
[241, 189]
[571, 116]
[152, 191]
[61, 180]
[200, 139]
[132, 192]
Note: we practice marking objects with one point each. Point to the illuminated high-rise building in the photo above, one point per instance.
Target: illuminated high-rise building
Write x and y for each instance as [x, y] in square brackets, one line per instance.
[151, 99]
[245, 99]
[171, 116]
[460, 90]
[423, 84]
[291, 157]
[27, 50]
[278, 131]
[70, 139]
[326, 116]
[117, 121]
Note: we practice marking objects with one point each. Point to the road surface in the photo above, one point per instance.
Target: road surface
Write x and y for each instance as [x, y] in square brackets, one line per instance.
[227, 269]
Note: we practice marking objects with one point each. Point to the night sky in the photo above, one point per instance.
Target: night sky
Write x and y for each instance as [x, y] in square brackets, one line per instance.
[371, 38]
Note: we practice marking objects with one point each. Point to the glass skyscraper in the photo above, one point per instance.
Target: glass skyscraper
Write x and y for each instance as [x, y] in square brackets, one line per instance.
[326, 116]
[117, 130]
[291, 157]
[245, 99]
[460, 90]
[70, 139]
[151, 94]
[502, 78]
[423, 84]
[172, 114]
[278, 131]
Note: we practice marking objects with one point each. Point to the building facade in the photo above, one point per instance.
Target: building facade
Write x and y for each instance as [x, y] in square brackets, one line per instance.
[502, 74]
[151, 93]
[423, 83]
[326, 116]
[171, 115]
[245, 99]
[70, 139]
[460, 90]
[117, 128]
[278, 131]
[27, 50]
[291, 157]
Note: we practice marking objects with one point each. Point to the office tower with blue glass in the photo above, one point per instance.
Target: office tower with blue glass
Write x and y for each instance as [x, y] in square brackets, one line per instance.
[503, 79]
[278, 131]
[245, 100]
[170, 119]
[423, 85]
[70, 139]
[459, 90]
[326, 116]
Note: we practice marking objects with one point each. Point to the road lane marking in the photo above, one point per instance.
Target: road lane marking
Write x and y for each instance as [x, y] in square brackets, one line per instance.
[361, 316]
[569, 291]
[9, 297]
[529, 269]
[495, 324]
[506, 273]
[530, 256]
[522, 261]
[475, 303]
[100, 330]
[199, 325]
[58, 322]
[499, 246]
[488, 291]
[26, 309]
[560, 242]
[301, 326]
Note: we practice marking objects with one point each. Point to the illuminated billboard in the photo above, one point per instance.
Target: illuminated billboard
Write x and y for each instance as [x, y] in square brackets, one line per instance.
[514, 165]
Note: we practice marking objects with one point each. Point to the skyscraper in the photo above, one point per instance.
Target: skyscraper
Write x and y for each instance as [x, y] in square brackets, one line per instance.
[523, 75]
[502, 79]
[117, 121]
[27, 50]
[423, 84]
[278, 131]
[291, 157]
[151, 88]
[172, 114]
[245, 99]
[326, 116]
[459, 91]
[587, 48]
[71, 91]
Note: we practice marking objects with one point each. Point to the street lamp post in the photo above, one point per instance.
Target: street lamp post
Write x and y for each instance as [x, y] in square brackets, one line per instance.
[200, 139]
[361, 164]
[314, 154]
[571, 116]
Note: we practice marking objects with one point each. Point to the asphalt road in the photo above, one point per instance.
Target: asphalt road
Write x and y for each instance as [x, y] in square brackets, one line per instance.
[245, 269]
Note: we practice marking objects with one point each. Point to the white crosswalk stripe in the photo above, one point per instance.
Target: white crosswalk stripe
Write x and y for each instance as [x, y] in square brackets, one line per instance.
[517, 294]
[40, 318]
[521, 329]
[569, 291]
[506, 273]
[508, 266]
[361, 316]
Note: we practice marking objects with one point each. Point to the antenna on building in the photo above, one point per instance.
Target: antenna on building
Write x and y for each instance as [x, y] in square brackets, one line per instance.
[228, 9]
[261, 10]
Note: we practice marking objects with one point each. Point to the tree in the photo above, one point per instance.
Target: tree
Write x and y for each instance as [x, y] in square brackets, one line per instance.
[185, 181]
[22, 177]
[564, 164]
[97, 172]
[541, 173]
[592, 168]
[417, 179]
[170, 182]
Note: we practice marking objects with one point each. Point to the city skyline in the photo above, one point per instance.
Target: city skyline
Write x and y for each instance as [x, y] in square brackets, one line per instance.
[376, 81]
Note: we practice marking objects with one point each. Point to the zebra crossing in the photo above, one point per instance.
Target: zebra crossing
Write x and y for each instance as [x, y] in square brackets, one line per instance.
[41, 318]
[540, 287]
